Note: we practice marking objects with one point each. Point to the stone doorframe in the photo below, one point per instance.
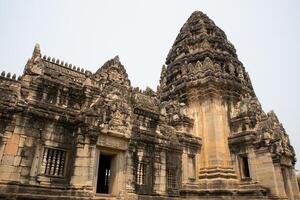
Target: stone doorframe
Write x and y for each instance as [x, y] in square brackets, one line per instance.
[118, 168]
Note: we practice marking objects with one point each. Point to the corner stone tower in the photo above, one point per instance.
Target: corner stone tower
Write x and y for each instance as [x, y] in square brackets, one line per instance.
[238, 147]
[203, 71]
[68, 133]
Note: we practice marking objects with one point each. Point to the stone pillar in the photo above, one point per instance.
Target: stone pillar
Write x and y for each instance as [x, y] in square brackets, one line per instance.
[35, 162]
[211, 124]
[289, 188]
[159, 183]
[2, 146]
[58, 97]
[10, 162]
[92, 164]
[45, 92]
[118, 168]
[130, 175]
[252, 162]
[184, 168]
[269, 173]
[294, 183]
[84, 164]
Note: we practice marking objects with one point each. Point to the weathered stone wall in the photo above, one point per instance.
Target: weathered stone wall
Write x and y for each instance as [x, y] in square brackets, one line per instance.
[202, 135]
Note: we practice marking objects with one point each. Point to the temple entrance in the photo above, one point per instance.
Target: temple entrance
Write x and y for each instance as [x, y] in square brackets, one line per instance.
[104, 174]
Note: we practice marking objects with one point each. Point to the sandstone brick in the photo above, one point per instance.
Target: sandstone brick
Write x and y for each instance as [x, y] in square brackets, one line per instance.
[203, 134]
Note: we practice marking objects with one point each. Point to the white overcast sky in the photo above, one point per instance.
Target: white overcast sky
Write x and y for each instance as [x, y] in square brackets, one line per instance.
[266, 34]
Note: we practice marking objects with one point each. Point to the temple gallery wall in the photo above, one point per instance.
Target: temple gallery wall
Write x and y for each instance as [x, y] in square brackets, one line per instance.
[69, 133]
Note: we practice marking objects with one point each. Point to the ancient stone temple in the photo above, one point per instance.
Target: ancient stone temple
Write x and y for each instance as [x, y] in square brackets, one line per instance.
[67, 133]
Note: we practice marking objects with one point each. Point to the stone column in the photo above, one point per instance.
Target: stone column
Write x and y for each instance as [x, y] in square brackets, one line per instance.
[287, 183]
[35, 162]
[58, 97]
[184, 168]
[294, 183]
[84, 164]
[130, 175]
[159, 183]
[2, 145]
[252, 162]
[269, 174]
[92, 165]
[10, 162]
[45, 92]
[211, 124]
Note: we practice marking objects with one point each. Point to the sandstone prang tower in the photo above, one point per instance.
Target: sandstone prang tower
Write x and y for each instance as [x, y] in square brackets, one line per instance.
[68, 133]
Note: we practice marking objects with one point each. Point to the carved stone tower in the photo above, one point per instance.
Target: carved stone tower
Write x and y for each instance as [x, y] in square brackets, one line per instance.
[204, 73]
[68, 133]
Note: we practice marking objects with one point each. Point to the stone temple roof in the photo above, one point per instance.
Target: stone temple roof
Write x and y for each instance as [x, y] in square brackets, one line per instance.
[199, 33]
[200, 56]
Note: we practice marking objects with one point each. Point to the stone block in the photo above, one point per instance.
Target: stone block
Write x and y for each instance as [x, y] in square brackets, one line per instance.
[14, 176]
[12, 145]
[82, 161]
[82, 152]
[22, 140]
[20, 151]
[17, 160]
[7, 160]
[25, 162]
[8, 169]
[29, 141]
[81, 171]
[10, 128]
[25, 171]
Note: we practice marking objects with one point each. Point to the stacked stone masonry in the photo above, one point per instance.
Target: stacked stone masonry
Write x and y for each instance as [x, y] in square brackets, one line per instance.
[69, 133]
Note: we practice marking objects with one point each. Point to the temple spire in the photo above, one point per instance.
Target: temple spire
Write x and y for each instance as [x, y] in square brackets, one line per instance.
[37, 50]
[199, 34]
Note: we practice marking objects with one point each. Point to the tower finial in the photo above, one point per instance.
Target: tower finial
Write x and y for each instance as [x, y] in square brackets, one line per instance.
[116, 58]
[37, 50]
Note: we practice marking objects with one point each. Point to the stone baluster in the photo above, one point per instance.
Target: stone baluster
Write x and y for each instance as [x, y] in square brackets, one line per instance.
[58, 97]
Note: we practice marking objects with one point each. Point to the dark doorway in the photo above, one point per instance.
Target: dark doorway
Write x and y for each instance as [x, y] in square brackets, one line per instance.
[245, 167]
[104, 173]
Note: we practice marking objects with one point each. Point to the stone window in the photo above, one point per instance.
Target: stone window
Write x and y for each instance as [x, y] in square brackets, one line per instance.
[52, 95]
[244, 167]
[141, 173]
[191, 167]
[54, 161]
[171, 178]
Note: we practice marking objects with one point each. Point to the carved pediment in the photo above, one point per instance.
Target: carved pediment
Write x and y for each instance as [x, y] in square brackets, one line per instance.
[113, 71]
[246, 114]
[272, 133]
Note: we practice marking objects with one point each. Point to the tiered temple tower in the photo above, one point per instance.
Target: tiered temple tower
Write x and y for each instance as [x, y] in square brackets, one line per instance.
[68, 133]
[203, 72]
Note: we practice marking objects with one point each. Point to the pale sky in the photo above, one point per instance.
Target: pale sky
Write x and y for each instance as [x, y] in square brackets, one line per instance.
[266, 34]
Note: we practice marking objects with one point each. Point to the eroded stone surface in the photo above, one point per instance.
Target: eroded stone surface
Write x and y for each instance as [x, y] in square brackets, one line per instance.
[201, 135]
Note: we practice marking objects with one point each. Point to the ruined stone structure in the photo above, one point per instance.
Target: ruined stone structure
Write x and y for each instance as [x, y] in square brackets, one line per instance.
[73, 134]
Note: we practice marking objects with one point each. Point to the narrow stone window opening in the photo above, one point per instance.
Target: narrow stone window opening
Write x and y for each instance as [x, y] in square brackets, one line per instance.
[141, 173]
[104, 174]
[54, 161]
[191, 167]
[244, 167]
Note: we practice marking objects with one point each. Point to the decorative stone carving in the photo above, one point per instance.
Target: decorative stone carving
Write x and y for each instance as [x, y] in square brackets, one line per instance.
[58, 122]
[272, 134]
[231, 69]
